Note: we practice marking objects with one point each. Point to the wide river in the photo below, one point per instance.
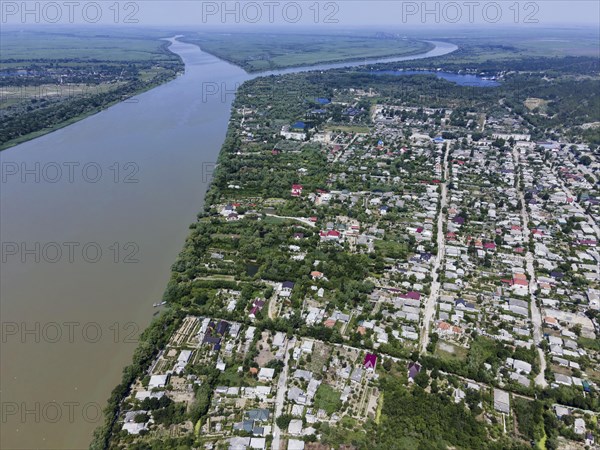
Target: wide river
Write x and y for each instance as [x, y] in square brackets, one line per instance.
[91, 218]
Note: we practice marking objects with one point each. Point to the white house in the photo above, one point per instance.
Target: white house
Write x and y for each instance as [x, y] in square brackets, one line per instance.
[266, 374]
[158, 381]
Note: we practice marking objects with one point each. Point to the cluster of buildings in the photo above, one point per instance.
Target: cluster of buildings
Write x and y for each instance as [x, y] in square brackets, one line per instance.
[456, 226]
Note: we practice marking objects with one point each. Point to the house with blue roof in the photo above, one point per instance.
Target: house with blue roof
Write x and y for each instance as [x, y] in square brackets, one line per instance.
[299, 125]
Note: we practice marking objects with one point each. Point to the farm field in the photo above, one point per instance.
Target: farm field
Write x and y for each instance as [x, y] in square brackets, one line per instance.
[259, 52]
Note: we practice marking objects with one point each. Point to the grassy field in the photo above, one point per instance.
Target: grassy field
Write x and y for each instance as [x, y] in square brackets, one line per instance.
[260, 52]
[540, 46]
[35, 45]
[442, 351]
[391, 249]
[327, 399]
[257, 52]
[348, 129]
[559, 46]
[544, 41]
[592, 344]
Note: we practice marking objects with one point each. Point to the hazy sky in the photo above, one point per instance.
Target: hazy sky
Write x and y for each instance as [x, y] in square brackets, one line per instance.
[297, 14]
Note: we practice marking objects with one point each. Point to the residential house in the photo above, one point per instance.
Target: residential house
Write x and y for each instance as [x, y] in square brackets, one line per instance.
[266, 374]
[501, 401]
[370, 362]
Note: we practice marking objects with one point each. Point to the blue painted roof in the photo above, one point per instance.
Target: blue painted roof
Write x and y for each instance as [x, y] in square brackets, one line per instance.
[299, 124]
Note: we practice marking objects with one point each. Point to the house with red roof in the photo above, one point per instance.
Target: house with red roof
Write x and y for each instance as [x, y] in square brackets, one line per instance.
[489, 246]
[519, 282]
[331, 235]
[444, 328]
[413, 295]
[297, 190]
[551, 322]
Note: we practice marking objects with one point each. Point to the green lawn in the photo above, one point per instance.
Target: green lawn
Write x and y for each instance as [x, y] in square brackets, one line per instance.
[592, 344]
[391, 249]
[348, 128]
[328, 399]
[231, 377]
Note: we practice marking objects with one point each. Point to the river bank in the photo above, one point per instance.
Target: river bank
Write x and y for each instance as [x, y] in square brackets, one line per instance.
[42, 94]
[175, 162]
[430, 47]
[275, 63]
[129, 97]
[156, 338]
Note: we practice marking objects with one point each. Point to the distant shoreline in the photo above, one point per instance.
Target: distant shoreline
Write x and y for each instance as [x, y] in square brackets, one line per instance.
[36, 134]
[428, 47]
[91, 112]
[72, 120]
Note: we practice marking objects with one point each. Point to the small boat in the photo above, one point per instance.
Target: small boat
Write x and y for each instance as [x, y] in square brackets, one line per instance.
[156, 305]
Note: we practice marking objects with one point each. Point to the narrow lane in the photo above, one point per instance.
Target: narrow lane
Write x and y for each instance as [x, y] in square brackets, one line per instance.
[431, 302]
[280, 399]
[536, 316]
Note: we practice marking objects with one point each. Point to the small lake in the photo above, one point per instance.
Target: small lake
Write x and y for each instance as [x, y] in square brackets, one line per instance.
[459, 79]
